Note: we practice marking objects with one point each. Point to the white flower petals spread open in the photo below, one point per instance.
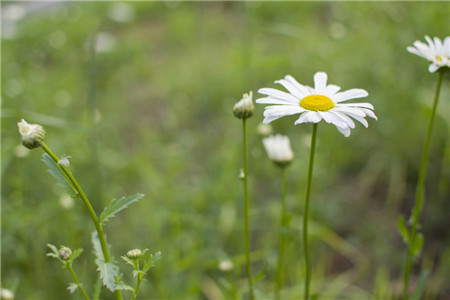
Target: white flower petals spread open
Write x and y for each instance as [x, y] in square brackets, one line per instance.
[436, 52]
[314, 104]
[278, 148]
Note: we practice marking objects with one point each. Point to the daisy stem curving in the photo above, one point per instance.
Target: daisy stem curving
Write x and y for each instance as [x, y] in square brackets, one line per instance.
[89, 207]
[282, 234]
[420, 192]
[246, 229]
[306, 212]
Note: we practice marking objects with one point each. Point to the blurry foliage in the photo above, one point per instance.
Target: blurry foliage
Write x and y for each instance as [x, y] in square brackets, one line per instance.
[140, 95]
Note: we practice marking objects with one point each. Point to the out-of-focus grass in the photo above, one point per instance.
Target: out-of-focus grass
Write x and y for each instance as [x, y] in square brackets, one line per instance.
[151, 113]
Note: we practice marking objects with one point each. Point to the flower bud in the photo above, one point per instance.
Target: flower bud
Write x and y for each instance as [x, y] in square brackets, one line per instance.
[264, 129]
[245, 108]
[278, 148]
[32, 134]
[226, 265]
[134, 254]
[65, 253]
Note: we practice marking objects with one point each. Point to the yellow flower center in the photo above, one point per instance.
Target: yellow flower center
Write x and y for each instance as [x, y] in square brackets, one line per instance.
[439, 58]
[317, 103]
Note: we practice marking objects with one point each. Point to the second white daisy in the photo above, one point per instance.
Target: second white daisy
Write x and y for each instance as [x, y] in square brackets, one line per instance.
[278, 148]
[314, 104]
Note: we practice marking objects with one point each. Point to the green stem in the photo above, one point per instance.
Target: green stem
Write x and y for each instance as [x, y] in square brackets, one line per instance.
[420, 191]
[88, 205]
[306, 212]
[75, 278]
[246, 229]
[138, 283]
[282, 234]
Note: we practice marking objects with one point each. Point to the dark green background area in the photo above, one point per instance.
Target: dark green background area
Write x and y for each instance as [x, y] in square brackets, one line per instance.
[154, 115]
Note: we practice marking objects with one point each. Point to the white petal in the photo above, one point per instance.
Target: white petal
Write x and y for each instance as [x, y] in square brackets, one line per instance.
[331, 90]
[332, 118]
[350, 94]
[344, 118]
[347, 109]
[270, 100]
[283, 110]
[361, 104]
[293, 89]
[433, 68]
[369, 113]
[357, 117]
[320, 81]
[308, 117]
[345, 131]
[303, 89]
[278, 94]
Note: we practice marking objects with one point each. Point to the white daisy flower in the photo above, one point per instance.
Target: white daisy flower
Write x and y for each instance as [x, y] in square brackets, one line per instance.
[436, 52]
[278, 148]
[314, 104]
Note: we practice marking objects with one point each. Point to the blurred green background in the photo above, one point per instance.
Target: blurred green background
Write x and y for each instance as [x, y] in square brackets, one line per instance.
[140, 95]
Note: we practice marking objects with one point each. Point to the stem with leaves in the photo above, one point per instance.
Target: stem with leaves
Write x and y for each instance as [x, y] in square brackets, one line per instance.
[415, 239]
[89, 207]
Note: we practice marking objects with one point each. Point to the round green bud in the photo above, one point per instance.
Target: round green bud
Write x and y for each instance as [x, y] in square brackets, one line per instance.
[65, 253]
[134, 254]
[245, 108]
[32, 134]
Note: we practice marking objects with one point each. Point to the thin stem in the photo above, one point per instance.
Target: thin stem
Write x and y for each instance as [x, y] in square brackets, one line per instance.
[75, 278]
[138, 283]
[246, 229]
[306, 212]
[88, 205]
[282, 234]
[420, 191]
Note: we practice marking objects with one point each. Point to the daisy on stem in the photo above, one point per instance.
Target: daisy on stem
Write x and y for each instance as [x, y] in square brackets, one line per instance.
[438, 53]
[278, 148]
[243, 110]
[323, 102]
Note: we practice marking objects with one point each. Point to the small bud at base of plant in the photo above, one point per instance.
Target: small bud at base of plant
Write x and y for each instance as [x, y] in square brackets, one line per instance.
[226, 265]
[134, 254]
[32, 134]
[65, 253]
[245, 108]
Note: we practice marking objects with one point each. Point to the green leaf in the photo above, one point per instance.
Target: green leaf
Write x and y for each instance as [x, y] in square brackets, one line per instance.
[128, 261]
[75, 254]
[55, 170]
[261, 274]
[117, 205]
[403, 229]
[97, 246]
[97, 289]
[108, 271]
[54, 253]
[124, 287]
[150, 261]
[418, 244]
[417, 295]
[72, 287]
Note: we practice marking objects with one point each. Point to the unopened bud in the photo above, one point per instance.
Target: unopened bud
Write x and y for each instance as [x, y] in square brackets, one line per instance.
[32, 134]
[226, 265]
[134, 254]
[245, 108]
[264, 129]
[65, 253]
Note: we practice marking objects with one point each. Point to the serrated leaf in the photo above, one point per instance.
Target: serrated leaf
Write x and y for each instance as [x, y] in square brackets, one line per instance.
[403, 229]
[418, 244]
[124, 287]
[151, 261]
[54, 253]
[55, 170]
[72, 287]
[128, 261]
[97, 246]
[117, 205]
[75, 254]
[108, 271]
